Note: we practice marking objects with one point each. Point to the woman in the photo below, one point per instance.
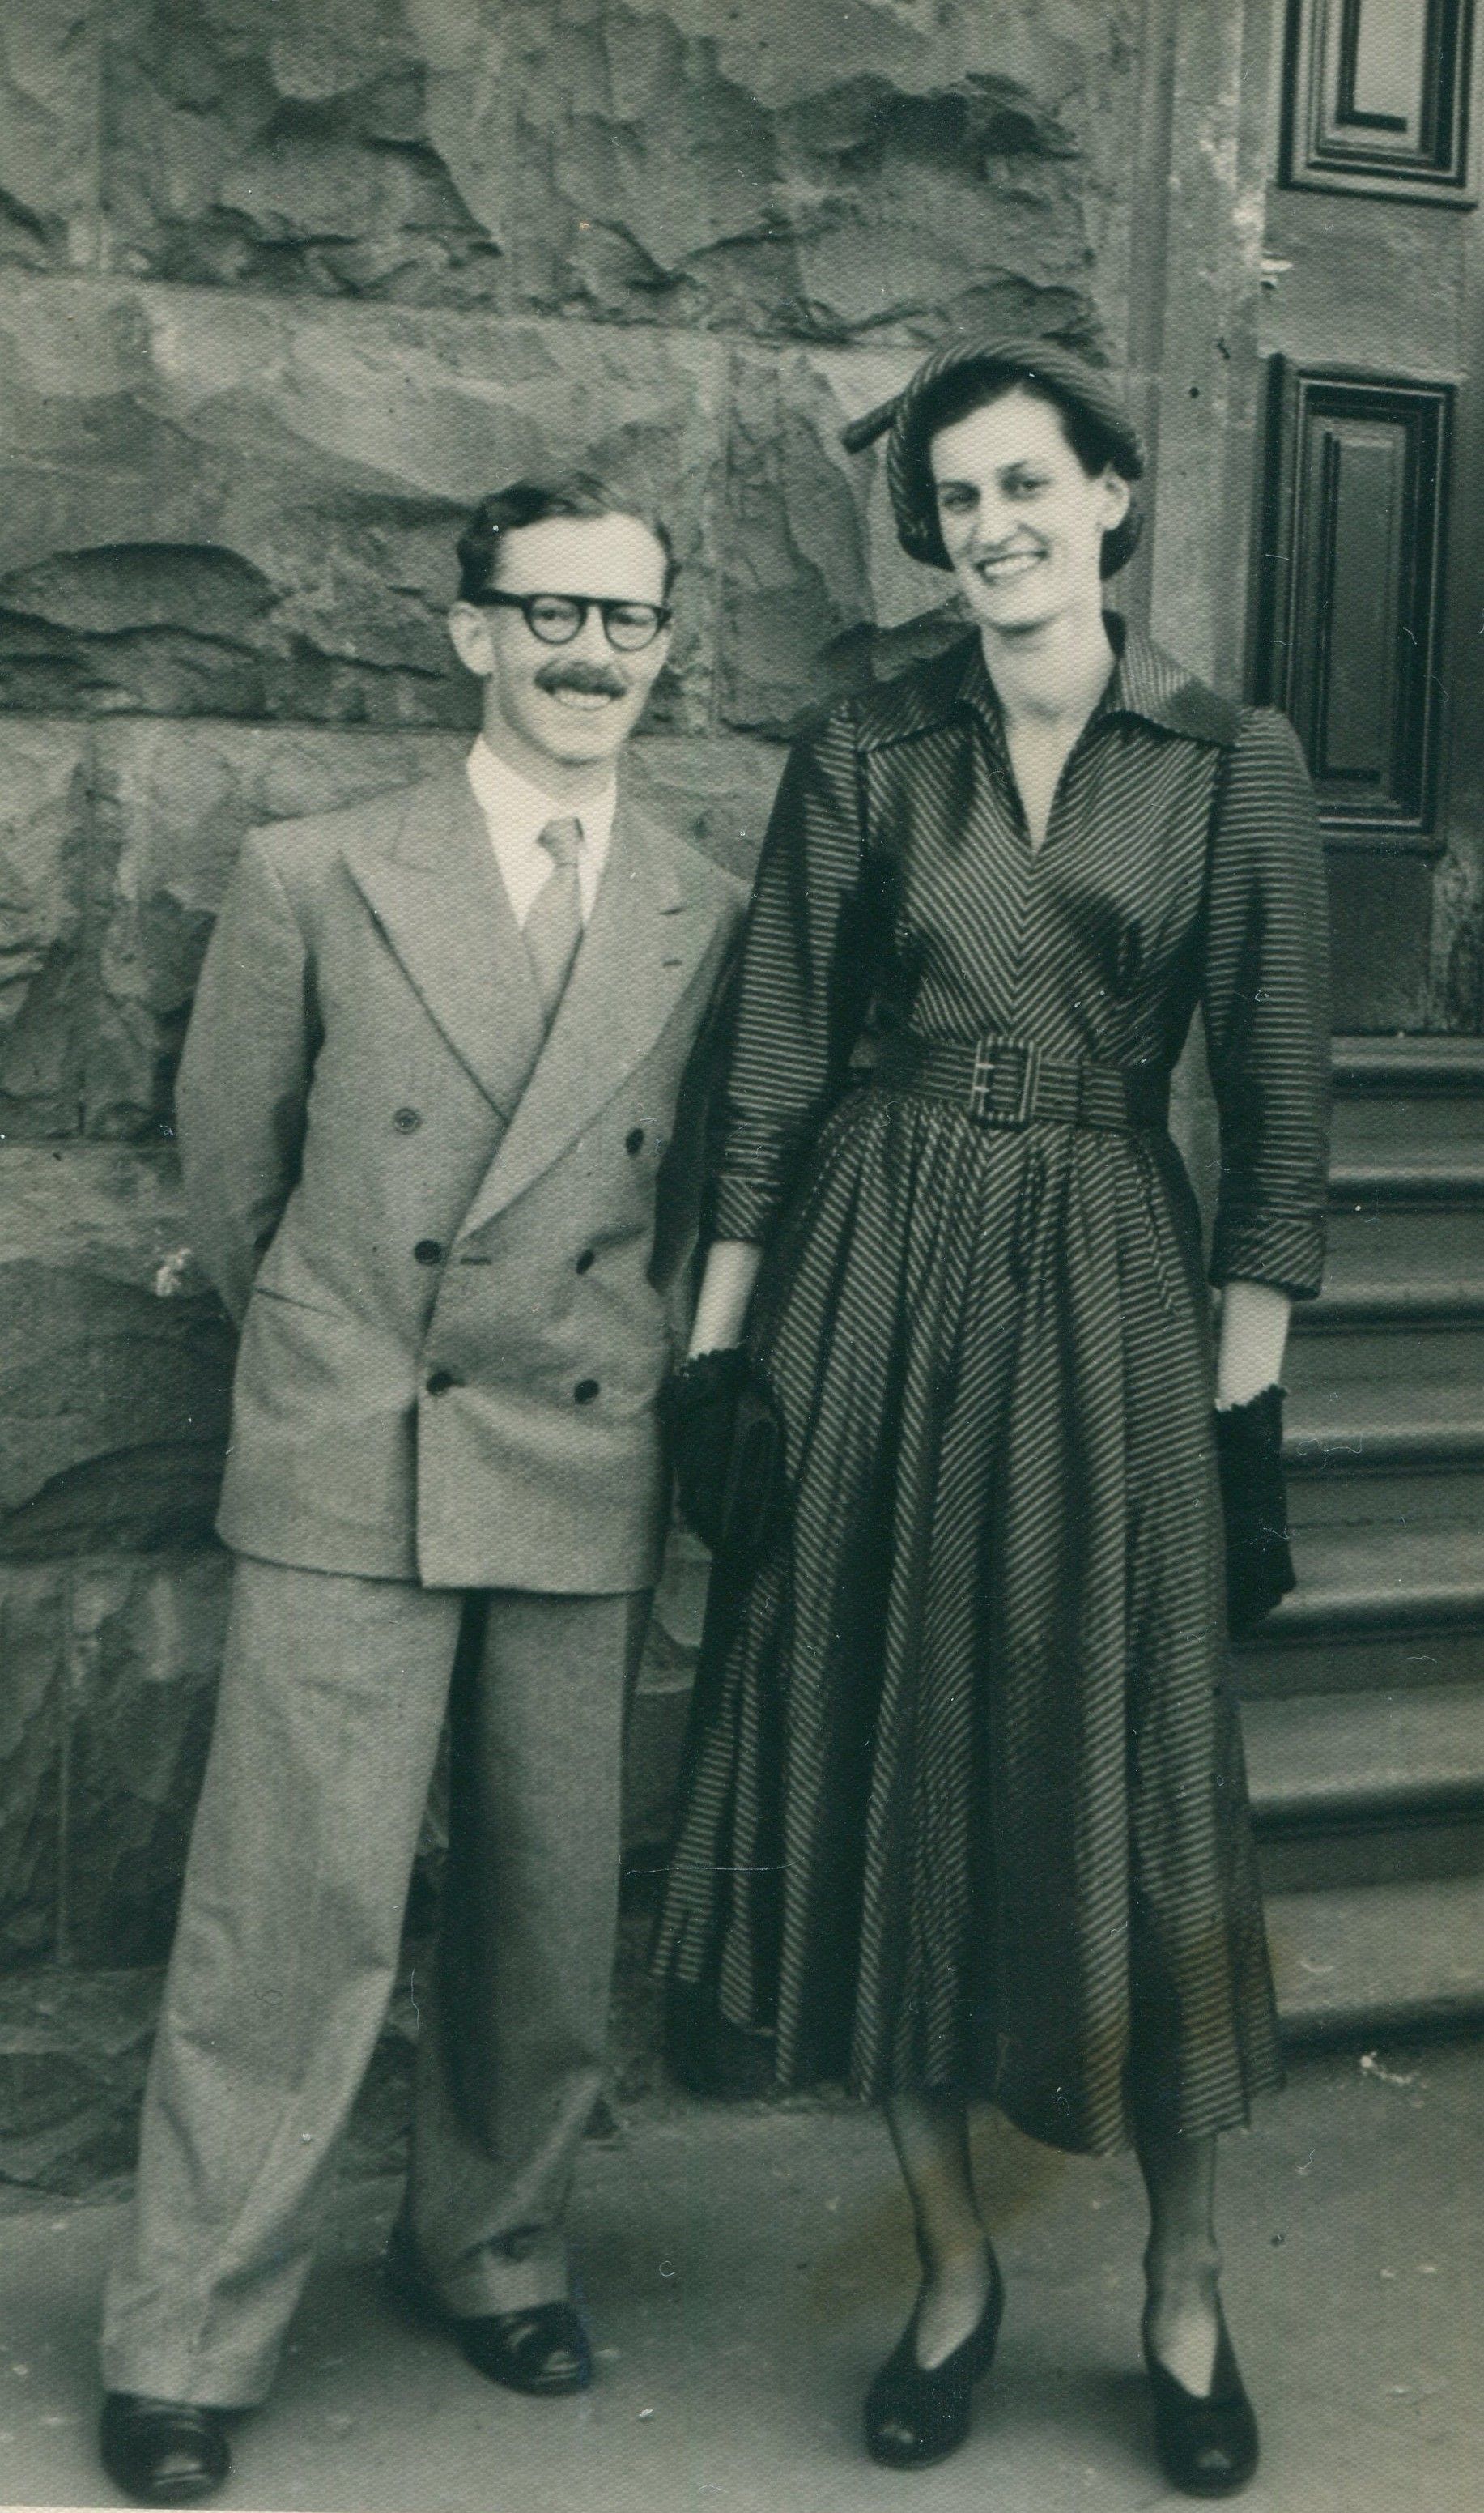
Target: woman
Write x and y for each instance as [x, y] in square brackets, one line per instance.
[965, 1814]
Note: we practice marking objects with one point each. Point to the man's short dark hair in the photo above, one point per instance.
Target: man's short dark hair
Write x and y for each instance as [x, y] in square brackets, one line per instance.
[535, 501]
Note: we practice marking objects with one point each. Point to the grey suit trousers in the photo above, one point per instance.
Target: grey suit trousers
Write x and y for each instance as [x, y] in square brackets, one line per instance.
[333, 1696]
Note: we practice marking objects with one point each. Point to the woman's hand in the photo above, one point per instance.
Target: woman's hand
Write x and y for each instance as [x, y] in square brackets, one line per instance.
[1254, 1332]
[726, 1295]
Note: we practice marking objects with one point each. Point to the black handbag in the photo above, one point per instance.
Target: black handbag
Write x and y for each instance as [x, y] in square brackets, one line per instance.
[1249, 1446]
[726, 1440]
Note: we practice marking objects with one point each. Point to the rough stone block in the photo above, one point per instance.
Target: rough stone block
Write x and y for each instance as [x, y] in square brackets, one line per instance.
[817, 597]
[50, 68]
[32, 1713]
[717, 794]
[114, 1358]
[172, 804]
[73, 2049]
[143, 1655]
[213, 503]
[42, 887]
[866, 166]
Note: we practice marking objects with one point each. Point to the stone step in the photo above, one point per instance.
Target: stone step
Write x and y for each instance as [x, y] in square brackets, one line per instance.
[1366, 1758]
[1366, 1788]
[1405, 1094]
[1359, 1962]
[1381, 1370]
[1365, 1581]
[1407, 1170]
[1386, 1504]
[1372, 1127]
[1355, 1659]
[1404, 1423]
[1411, 1065]
[1399, 1265]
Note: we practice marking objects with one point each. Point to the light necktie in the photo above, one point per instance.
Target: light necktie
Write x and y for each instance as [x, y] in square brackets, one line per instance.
[554, 926]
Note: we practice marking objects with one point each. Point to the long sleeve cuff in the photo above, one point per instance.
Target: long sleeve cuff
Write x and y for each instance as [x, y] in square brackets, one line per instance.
[1286, 1251]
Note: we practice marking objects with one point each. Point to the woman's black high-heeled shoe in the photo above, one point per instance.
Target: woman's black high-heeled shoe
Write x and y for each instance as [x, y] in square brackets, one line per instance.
[914, 2415]
[1207, 2441]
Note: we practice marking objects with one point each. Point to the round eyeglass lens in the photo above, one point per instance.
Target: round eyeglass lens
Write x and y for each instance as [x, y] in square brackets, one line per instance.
[630, 625]
[554, 619]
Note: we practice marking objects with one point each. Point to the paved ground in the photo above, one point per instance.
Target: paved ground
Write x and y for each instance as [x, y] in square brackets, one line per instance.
[744, 2270]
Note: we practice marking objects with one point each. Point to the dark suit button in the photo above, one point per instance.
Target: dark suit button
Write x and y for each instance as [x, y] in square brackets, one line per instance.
[406, 1121]
[428, 1252]
[585, 1391]
[441, 1380]
[585, 1259]
[634, 1142]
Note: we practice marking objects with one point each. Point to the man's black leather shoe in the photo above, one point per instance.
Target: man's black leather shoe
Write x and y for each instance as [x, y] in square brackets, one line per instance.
[163, 2452]
[543, 2351]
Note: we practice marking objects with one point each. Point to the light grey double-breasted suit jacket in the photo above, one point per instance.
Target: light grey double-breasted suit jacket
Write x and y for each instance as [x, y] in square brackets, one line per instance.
[459, 1250]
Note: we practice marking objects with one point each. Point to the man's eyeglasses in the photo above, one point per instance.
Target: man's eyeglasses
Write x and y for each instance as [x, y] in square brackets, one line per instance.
[558, 618]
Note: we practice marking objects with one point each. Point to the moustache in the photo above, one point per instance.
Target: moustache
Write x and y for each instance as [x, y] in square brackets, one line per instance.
[592, 679]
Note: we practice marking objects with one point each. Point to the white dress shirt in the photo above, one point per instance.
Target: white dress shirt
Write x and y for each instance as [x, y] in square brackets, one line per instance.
[515, 812]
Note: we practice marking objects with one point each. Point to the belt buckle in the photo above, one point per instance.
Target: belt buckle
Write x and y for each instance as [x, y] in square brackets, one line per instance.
[1019, 1059]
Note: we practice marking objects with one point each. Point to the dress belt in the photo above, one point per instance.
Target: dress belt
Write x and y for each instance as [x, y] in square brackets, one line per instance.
[1009, 1082]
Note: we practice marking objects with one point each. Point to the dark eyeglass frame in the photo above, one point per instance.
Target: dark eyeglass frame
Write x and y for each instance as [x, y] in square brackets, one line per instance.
[657, 616]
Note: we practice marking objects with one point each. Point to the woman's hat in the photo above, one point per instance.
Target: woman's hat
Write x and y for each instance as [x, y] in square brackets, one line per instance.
[909, 416]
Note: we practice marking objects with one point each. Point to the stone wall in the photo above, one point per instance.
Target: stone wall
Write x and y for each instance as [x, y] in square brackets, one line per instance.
[283, 286]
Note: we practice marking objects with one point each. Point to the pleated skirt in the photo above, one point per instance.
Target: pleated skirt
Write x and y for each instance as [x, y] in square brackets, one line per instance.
[964, 1806]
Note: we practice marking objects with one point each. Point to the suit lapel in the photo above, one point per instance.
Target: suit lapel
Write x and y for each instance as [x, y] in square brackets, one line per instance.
[644, 940]
[439, 899]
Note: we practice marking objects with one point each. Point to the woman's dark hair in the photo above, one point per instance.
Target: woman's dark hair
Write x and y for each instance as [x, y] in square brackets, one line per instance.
[967, 388]
[537, 501]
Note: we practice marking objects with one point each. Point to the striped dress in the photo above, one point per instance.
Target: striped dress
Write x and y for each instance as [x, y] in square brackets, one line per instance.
[964, 1804]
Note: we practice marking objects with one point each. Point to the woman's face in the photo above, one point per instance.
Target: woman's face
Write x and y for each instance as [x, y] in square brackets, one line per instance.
[1021, 520]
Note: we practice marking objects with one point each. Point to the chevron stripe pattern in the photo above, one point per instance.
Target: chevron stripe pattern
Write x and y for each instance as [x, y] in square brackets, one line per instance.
[965, 1804]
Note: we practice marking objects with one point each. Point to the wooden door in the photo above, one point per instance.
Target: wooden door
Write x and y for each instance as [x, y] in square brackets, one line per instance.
[1369, 573]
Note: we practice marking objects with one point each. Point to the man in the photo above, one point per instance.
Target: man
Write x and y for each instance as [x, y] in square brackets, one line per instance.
[437, 1112]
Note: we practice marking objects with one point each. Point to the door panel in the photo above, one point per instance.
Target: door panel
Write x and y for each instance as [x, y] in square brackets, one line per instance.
[1369, 603]
[1378, 97]
[1349, 644]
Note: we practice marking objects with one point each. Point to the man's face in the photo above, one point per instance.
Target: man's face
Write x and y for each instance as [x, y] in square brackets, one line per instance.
[570, 706]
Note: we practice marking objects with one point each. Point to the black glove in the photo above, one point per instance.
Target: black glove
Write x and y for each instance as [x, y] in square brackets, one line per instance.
[1249, 1443]
[727, 1448]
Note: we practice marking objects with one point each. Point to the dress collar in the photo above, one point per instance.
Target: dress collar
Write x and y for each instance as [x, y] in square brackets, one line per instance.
[1146, 683]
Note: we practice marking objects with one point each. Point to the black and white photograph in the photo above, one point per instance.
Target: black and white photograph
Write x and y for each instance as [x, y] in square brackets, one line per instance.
[741, 1255]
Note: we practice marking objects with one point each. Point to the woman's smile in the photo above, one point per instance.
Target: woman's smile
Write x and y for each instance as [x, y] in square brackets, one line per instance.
[1004, 566]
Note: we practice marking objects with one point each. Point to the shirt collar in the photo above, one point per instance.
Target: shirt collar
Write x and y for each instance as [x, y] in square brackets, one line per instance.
[1145, 683]
[516, 810]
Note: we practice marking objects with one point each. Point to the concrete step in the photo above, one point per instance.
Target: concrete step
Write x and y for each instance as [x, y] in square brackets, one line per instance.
[1392, 1505]
[1408, 1170]
[1372, 1125]
[1365, 1789]
[1399, 1423]
[1404, 1454]
[1360, 1580]
[1398, 1262]
[1386, 1369]
[1366, 1960]
[1355, 1658]
[1414, 1065]
[1355, 1759]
